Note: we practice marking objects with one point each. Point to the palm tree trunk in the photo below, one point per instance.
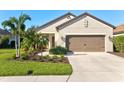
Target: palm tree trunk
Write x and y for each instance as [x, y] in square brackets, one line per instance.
[17, 46]
[19, 39]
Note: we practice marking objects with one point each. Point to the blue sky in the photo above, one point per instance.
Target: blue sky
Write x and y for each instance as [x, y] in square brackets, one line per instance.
[40, 17]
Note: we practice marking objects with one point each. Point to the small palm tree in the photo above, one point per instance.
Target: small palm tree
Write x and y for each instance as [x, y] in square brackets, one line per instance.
[43, 42]
[33, 40]
[21, 26]
[28, 39]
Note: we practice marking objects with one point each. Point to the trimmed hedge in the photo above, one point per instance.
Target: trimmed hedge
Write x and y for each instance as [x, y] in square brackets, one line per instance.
[118, 42]
[58, 50]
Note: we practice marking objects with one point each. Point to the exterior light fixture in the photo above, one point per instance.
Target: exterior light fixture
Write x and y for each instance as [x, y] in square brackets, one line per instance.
[63, 39]
[110, 38]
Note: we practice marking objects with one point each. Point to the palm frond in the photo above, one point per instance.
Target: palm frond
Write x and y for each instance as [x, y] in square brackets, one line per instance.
[23, 18]
[14, 20]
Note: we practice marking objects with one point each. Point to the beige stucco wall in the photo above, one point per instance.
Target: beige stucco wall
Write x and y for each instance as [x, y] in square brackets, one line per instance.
[52, 28]
[94, 28]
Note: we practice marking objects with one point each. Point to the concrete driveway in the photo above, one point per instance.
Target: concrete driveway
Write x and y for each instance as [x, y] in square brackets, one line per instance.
[96, 67]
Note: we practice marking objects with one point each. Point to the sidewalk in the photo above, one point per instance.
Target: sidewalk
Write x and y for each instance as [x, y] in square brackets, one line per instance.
[34, 78]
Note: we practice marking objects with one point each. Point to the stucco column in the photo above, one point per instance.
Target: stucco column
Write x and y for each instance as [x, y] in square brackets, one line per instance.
[51, 40]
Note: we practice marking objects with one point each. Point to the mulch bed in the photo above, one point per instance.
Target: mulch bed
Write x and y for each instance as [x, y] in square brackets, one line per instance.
[47, 60]
[117, 54]
[63, 60]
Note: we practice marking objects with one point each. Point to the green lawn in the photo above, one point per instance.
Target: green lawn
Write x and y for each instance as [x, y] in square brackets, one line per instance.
[16, 68]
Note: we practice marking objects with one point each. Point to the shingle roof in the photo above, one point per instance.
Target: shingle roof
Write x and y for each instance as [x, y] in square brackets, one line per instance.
[119, 29]
[4, 32]
[55, 20]
[80, 17]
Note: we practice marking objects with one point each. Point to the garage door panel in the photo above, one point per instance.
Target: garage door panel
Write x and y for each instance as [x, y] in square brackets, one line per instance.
[86, 43]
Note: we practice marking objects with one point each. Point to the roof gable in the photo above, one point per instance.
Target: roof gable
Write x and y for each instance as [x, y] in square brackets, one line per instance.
[4, 32]
[79, 18]
[56, 20]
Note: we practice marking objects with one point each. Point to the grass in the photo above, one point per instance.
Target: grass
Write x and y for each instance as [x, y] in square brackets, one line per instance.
[20, 68]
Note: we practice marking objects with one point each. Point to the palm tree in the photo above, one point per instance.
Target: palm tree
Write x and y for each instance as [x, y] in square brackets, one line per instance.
[12, 27]
[42, 41]
[21, 27]
[29, 39]
[33, 40]
[17, 26]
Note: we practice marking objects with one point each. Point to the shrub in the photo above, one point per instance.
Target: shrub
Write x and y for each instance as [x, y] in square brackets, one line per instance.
[35, 57]
[58, 50]
[24, 56]
[118, 42]
[4, 40]
[62, 56]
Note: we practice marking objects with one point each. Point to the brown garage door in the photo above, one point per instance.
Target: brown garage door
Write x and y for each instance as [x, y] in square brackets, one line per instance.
[87, 43]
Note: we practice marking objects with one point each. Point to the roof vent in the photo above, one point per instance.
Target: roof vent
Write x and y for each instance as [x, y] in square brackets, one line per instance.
[85, 23]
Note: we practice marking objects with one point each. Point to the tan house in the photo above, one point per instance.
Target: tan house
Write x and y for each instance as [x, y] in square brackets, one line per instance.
[83, 33]
[7, 33]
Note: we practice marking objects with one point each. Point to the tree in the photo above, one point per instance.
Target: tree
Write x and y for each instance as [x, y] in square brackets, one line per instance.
[42, 42]
[28, 40]
[21, 27]
[4, 40]
[12, 27]
[34, 41]
[17, 27]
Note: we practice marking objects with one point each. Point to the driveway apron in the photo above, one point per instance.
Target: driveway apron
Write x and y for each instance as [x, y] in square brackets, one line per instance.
[96, 67]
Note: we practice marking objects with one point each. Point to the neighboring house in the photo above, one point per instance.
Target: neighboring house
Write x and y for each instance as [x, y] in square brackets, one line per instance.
[119, 30]
[7, 33]
[83, 33]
